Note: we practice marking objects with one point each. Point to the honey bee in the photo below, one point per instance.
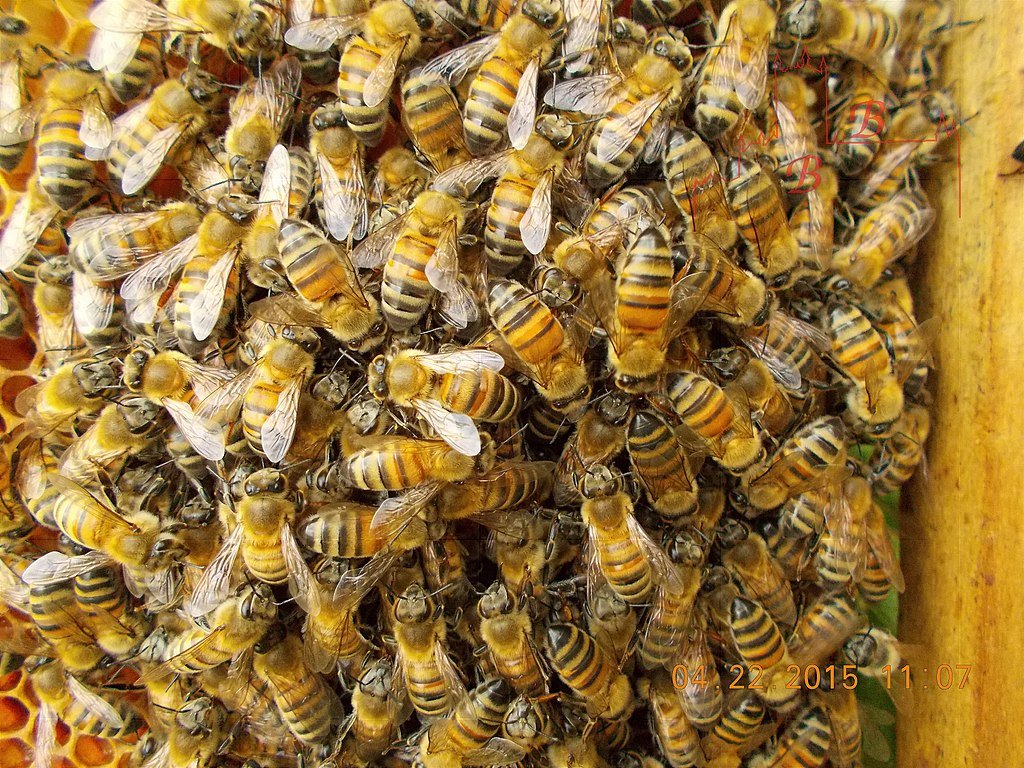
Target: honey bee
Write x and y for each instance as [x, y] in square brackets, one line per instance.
[376, 714]
[307, 705]
[671, 613]
[771, 407]
[872, 650]
[342, 190]
[419, 252]
[507, 630]
[760, 644]
[875, 397]
[73, 130]
[789, 119]
[665, 470]
[599, 437]
[575, 751]
[466, 736]
[57, 619]
[824, 626]
[260, 247]
[694, 178]
[633, 108]
[859, 118]
[432, 680]
[197, 735]
[73, 393]
[843, 710]
[735, 74]
[121, 28]
[52, 295]
[842, 550]
[12, 84]
[431, 116]
[738, 726]
[812, 225]
[528, 725]
[120, 431]
[611, 621]
[103, 600]
[759, 208]
[502, 96]
[80, 707]
[903, 451]
[789, 347]
[588, 671]
[804, 742]
[449, 390]
[884, 235]
[761, 579]
[865, 33]
[399, 463]
[139, 73]
[677, 737]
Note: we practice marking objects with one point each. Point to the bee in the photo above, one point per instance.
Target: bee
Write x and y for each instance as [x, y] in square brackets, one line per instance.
[431, 678]
[576, 751]
[760, 644]
[738, 726]
[258, 33]
[875, 397]
[502, 97]
[873, 650]
[761, 579]
[903, 451]
[672, 610]
[343, 192]
[805, 742]
[859, 119]
[399, 463]
[258, 114]
[599, 437]
[139, 73]
[771, 406]
[103, 600]
[759, 208]
[122, 26]
[883, 236]
[735, 76]
[826, 27]
[824, 626]
[611, 621]
[789, 119]
[696, 184]
[588, 671]
[80, 707]
[376, 714]
[719, 418]
[120, 431]
[677, 737]
[419, 252]
[790, 348]
[507, 630]
[431, 117]
[633, 108]
[260, 247]
[73, 393]
[97, 311]
[163, 128]
[701, 692]
[466, 736]
[52, 296]
[449, 390]
[73, 130]
[843, 710]
[665, 470]
[812, 225]
[12, 83]
[307, 705]
[528, 725]
[198, 733]
[398, 178]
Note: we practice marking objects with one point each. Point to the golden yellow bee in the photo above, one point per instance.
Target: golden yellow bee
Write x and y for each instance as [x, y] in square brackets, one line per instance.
[376, 707]
[431, 116]
[678, 738]
[506, 628]
[861, 32]
[696, 183]
[466, 736]
[586, 668]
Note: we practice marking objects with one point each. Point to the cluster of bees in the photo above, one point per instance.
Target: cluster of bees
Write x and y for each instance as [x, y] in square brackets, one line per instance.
[470, 383]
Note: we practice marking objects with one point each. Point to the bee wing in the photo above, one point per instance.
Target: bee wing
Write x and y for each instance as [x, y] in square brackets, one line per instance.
[287, 309]
[278, 430]
[215, 585]
[878, 538]
[206, 437]
[462, 361]
[96, 132]
[19, 125]
[271, 97]
[300, 11]
[138, 16]
[456, 429]
[95, 704]
[455, 65]
[190, 654]
[497, 751]
[463, 180]
[92, 305]
[301, 582]
[449, 672]
[318, 35]
[25, 225]
[161, 758]
[204, 379]
[345, 201]
[221, 405]
[377, 85]
[621, 130]
[442, 268]
[206, 305]
[524, 110]
[112, 52]
[789, 128]
[813, 335]
[116, 227]
[99, 508]
[142, 166]
[46, 738]
[784, 371]
[684, 300]
[144, 286]
[352, 588]
[583, 18]
[535, 226]
[880, 171]
[458, 306]
[277, 183]
[377, 248]
[593, 95]
[395, 512]
[10, 87]
[914, 226]
[749, 73]
[54, 567]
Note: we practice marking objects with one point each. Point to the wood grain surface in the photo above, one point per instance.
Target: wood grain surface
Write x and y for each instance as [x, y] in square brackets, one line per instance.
[964, 544]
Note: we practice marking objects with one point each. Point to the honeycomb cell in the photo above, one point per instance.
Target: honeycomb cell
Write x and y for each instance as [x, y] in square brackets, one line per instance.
[10, 681]
[13, 714]
[92, 751]
[14, 753]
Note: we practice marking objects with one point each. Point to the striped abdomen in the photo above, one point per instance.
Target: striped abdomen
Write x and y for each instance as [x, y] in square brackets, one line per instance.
[128, 146]
[405, 291]
[503, 241]
[140, 72]
[701, 404]
[816, 447]
[645, 283]
[579, 660]
[398, 466]
[623, 563]
[428, 692]
[599, 172]
[345, 534]
[304, 702]
[525, 322]
[357, 62]
[756, 636]
[757, 206]
[695, 181]
[486, 395]
[433, 121]
[193, 282]
[857, 347]
[736, 726]
[64, 173]
[660, 463]
[260, 402]
[490, 99]
[660, 644]
[478, 717]
[310, 261]
[100, 590]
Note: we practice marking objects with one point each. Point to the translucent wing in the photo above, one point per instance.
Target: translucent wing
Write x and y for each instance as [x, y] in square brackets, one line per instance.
[748, 69]
[92, 305]
[138, 16]
[20, 125]
[620, 131]
[463, 180]
[206, 305]
[535, 226]
[146, 284]
[462, 361]
[377, 248]
[455, 65]
[277, 183]
[46, 738]
[318, 35]
[377, 85]
[345, 201]
[10, 87]
[24, 227]
[215, 586]
[913, 227]
[54, 567]
[583, 18]
[221, 405]
[458, 305]
[793, 138]
[206, 437]
[442, 268]
[99, 509]
[112, 52]
[456, 429]
[204, 379]
[96, 132]
[300, 11]
[449, 672]
[879, 540]
[301, 582]
[654, 148]
[142, 166]
[524, 110]
[395, 512]
[497, 751]
[122, 254]
[590, 95]
[95, 704]
[286, 309]
[278, 430]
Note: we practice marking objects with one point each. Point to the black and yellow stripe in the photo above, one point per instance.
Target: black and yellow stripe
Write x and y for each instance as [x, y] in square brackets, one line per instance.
[430, 113]
[660, 463]
[141, 71]
[701, 404]
[491, 96]
[695, 181]
[645, 283]
[602, 173]
[358, 60]
[756, 636]
[64, 173]
[524, 322]
[310, 261]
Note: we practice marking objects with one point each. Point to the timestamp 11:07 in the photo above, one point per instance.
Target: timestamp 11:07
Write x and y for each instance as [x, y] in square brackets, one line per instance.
[944, 677]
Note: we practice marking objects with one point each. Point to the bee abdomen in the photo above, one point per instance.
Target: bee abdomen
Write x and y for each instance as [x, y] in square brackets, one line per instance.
[491, 97]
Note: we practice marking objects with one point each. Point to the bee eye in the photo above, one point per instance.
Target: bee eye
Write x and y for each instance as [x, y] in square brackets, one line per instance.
[251, 489]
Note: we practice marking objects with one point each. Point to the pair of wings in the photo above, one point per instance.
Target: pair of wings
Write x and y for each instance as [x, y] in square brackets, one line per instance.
[737, 62]
[96, 131]
[780, 362]
[29, 218]
[458, 305]
[344, 194]
[120, 25]
[46, 723]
